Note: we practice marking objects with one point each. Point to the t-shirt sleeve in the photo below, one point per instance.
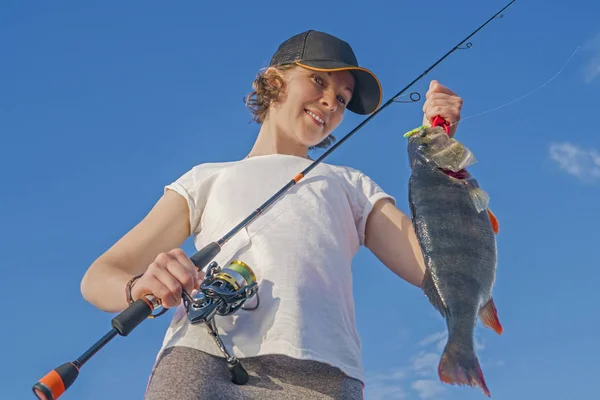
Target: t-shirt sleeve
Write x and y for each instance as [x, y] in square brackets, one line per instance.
[194, 187]
[368, 193]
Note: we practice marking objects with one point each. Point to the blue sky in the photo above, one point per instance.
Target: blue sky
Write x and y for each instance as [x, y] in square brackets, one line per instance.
[103, 103]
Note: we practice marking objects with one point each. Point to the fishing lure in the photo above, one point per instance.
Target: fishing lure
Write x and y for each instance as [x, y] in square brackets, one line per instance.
[57, 381]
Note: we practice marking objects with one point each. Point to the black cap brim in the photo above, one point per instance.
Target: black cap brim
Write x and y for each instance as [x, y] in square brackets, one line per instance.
[367, 89]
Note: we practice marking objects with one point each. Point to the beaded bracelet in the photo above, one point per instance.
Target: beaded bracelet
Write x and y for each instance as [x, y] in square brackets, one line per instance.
[129, 286]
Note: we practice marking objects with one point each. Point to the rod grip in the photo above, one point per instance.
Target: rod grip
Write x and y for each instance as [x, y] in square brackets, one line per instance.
[133, 315]
[205, 255]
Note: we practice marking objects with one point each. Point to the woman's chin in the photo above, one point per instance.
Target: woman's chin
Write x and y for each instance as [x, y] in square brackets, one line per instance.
[311, 140]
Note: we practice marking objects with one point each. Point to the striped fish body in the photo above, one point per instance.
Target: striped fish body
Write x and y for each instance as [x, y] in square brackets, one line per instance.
[456, 233]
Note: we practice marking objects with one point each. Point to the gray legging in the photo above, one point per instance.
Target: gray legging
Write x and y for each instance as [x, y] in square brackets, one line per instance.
[176, 376]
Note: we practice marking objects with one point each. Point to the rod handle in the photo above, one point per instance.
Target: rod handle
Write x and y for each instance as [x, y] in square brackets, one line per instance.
[134, 315]
[205, 255]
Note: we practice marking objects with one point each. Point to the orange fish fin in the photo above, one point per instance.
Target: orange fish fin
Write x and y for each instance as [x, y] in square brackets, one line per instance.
[489, 317]
[494, 221]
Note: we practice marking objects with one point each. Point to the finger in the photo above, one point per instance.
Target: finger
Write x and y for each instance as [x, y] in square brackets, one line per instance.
[445, 110]
[432, 85]
[149, 284]
[450, 114]
[449, 104]
[184, 260]
[436, 87]
[164, 276]
[442, 97]
[183, 275]
[160, 290]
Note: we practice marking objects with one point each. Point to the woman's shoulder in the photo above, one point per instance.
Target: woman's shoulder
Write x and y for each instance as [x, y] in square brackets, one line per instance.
[350, 174]
[205, 169]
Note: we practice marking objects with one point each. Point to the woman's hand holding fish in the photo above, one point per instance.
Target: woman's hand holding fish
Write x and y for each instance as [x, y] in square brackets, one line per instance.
[442, 101]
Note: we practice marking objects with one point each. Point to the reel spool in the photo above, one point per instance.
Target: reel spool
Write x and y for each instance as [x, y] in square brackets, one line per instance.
[223, 292]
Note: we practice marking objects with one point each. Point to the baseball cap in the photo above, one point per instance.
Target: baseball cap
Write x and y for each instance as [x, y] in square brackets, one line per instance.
[320, 51]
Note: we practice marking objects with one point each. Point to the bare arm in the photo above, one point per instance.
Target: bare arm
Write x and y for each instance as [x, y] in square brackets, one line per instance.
[392, 239]
[164, 228]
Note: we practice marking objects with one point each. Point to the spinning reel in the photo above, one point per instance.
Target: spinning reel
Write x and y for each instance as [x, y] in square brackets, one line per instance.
[223, 292]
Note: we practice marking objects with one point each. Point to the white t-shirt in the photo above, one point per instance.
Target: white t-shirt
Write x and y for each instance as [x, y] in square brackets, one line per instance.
[301, 249]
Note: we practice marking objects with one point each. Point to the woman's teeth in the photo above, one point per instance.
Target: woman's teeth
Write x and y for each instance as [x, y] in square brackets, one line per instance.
[316, 117]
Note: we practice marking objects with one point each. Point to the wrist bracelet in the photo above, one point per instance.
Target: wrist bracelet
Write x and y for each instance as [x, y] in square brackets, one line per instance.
[129, 286]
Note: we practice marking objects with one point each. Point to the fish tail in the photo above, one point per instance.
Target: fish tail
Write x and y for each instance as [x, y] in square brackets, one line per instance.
[459, 366]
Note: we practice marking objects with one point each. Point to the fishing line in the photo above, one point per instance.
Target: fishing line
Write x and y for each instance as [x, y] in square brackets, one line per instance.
[522, 97]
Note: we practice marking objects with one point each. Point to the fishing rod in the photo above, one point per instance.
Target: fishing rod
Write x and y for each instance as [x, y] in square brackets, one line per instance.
[224, 290]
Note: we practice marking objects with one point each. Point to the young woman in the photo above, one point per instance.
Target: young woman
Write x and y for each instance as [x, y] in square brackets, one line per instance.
[301, 341]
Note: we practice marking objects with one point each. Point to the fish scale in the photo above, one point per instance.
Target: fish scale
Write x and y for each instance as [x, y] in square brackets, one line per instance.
[456, 232]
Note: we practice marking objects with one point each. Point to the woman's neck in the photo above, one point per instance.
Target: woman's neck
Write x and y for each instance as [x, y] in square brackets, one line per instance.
[270, 140]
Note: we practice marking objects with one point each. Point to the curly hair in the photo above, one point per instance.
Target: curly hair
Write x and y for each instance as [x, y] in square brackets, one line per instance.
[267, 87]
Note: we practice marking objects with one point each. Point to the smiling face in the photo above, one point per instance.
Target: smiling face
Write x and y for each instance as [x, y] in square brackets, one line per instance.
[311, 104]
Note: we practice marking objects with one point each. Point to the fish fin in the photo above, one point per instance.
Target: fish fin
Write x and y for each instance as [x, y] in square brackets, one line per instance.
[494, 221]
[479, 198]
[489, 317]
[432, 293]
[459, 366]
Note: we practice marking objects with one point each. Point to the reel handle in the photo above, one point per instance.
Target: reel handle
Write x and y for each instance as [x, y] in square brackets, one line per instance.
[439, 121]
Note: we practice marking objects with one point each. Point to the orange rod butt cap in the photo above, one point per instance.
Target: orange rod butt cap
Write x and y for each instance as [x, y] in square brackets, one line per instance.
[53, 383]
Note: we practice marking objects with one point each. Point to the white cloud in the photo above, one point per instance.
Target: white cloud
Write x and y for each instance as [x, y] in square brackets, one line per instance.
[479, 346]
[419, 378]
[438, 337]
[425, 363]
[386, 385]
[428, 388]
[591, 69]
[577, 161]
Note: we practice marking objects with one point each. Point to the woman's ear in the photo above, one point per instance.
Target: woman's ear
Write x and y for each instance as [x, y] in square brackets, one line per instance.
[275, 82]
[275, 78]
